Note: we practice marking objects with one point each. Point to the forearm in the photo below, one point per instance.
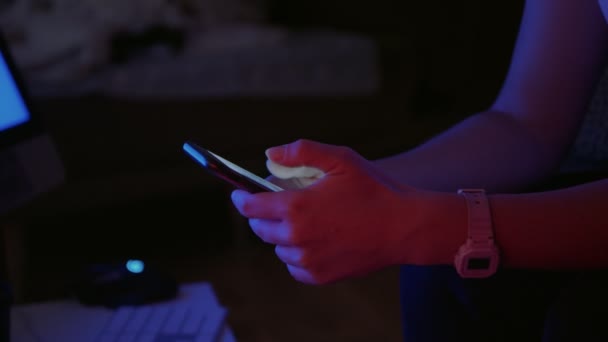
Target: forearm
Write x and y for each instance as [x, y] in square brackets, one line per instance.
[559, 229]
[563, 229]
[489, 150]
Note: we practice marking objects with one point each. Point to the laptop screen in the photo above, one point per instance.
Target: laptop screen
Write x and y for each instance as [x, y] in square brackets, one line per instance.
[13, 111]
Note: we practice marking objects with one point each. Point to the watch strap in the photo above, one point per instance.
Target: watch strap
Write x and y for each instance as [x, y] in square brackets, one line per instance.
[480, 230]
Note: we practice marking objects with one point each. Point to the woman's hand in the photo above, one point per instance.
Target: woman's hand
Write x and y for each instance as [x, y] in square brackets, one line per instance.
[351, 221]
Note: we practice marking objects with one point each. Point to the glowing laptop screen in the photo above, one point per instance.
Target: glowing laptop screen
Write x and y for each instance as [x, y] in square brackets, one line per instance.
[13, 111]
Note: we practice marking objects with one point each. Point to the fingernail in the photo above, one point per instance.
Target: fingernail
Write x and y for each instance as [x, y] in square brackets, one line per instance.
[233, 196]
[276, 153]
[236, 196]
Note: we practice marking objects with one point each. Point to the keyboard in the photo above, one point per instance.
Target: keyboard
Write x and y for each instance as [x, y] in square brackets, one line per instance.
[194, 316]
[163, 323]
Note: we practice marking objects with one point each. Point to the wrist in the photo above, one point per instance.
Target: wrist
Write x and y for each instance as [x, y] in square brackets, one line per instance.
[438, 228]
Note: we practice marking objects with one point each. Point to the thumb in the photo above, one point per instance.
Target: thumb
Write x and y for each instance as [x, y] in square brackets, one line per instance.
[308, 153]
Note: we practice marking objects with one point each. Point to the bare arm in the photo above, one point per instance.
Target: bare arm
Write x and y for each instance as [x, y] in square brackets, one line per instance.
[563, 229]
[523, 137]
[354, 220]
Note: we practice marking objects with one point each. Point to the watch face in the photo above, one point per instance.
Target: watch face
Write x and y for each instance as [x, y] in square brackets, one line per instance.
[477, 263]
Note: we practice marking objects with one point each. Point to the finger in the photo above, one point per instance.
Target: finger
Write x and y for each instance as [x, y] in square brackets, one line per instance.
[271, 231]
[301, 275]
[264, 205]
[309, 153]
[298, 172]
[286, 184]
[290, 255]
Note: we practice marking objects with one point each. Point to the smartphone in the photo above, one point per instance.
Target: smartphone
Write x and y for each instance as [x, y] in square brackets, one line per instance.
[228, 171]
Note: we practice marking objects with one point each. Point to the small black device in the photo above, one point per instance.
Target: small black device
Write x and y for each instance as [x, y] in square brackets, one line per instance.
[125, 283]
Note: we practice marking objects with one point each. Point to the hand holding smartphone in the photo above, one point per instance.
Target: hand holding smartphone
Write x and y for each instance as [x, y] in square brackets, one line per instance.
[228, 171]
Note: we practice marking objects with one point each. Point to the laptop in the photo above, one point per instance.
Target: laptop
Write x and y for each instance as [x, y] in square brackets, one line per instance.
[30, 162]
[30, 165]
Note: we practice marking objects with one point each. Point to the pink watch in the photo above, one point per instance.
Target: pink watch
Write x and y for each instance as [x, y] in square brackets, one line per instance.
[479, 256]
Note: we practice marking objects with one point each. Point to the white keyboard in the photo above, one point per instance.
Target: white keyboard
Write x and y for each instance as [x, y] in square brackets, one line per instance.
[163, 323]
[195, 316]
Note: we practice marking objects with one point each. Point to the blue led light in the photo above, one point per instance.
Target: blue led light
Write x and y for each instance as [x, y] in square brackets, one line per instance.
[135, 266]
[195, 154]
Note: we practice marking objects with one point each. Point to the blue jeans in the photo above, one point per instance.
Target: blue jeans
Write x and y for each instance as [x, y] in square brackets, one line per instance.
[513, 305]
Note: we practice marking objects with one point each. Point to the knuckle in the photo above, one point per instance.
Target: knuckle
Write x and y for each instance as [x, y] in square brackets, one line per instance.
[316, 279]
[298, 258]
[293, 149]
[308, 261]
[298, 237]
[289, 236]
[321, 279]
[299, 146]
[346, 153]
[302, 143]
[291, 231]
[320, 273]
[293, 236]
[294, 207]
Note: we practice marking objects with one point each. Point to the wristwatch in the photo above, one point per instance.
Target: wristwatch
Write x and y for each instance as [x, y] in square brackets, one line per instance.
[478, 257]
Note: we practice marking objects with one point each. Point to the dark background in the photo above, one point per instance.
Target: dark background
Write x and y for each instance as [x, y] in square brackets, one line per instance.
[131, 192]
